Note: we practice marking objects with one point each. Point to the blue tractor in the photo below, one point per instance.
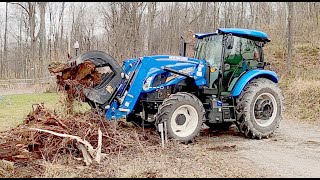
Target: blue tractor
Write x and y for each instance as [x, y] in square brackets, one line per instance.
[224, 83]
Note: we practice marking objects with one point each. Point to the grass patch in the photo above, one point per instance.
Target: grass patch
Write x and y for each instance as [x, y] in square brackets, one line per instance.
[13, 108]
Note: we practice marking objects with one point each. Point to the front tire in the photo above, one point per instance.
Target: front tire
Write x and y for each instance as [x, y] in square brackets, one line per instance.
[259, 109]
[184, 114]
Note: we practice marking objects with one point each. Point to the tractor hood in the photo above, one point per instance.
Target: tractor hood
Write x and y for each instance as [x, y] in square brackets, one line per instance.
[161, 59]
[158, 64]
[175, 62]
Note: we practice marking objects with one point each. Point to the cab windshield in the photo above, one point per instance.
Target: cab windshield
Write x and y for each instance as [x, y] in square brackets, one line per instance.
[210, 49]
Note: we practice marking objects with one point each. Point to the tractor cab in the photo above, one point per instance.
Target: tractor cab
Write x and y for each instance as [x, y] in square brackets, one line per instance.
[230, 52]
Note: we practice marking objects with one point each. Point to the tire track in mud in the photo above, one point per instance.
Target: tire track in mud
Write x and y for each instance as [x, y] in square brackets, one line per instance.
[293, 151]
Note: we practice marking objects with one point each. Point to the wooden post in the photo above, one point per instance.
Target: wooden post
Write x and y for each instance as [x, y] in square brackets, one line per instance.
[161, 131]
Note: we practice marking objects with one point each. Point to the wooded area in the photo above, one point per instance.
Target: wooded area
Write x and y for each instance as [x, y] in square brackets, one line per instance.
[37, 33]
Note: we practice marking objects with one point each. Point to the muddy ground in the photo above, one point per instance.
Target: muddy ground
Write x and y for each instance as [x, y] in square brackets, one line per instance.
[293, 151]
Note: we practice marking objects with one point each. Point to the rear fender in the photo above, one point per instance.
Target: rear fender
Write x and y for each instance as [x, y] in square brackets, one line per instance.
[248, 76]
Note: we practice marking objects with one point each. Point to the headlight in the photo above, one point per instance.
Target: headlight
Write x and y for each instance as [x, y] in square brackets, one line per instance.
[147, 84]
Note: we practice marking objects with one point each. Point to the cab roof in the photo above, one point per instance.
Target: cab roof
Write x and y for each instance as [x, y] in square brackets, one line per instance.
[246, 33]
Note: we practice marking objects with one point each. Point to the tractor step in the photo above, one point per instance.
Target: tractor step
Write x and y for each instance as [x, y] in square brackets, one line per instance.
[227, 117]
[229, 120]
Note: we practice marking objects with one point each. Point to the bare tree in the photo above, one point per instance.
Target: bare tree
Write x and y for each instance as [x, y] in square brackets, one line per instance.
[42, 35]
[5, 65]
[152, 8]
[290, 34]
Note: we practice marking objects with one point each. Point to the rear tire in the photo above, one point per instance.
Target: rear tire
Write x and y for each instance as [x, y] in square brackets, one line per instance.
[259, 108]
[184, 114]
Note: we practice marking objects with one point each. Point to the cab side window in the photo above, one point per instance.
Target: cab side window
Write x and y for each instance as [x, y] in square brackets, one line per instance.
[251, 50]
[233, 51]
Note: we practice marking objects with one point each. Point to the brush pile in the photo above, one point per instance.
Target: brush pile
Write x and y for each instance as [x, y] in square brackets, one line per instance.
[44, 135]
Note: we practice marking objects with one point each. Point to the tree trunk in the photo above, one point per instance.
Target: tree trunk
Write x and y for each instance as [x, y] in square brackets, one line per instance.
[1, 61]
[42, 35]
[5, 71]
[61, 30]
[242, 15]
[152, 7]
[290, 34]
[22, 66]
[32, 24]
[5, 48]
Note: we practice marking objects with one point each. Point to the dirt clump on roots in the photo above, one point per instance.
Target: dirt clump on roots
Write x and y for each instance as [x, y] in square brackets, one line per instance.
[73, 79]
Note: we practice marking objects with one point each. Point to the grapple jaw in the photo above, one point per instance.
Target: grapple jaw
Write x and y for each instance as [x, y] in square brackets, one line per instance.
[92, 76]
